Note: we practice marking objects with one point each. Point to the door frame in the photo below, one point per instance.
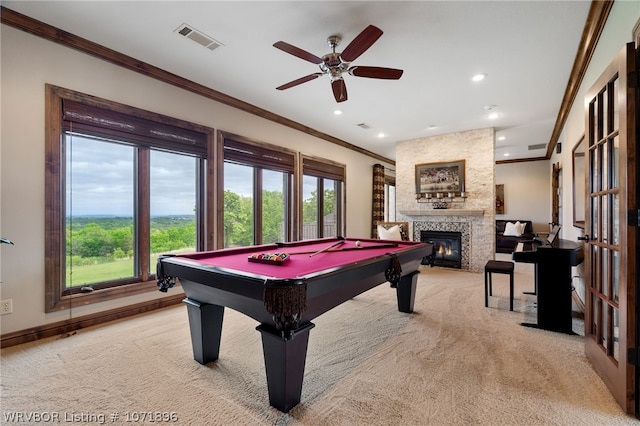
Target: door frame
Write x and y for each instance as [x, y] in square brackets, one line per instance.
[621, 375]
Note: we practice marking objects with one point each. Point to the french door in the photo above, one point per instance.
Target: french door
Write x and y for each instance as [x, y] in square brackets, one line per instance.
[611, 227]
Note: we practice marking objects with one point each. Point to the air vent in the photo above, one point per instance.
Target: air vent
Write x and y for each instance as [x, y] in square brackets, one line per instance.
[538, 146]
[364, 126]
[197, 36]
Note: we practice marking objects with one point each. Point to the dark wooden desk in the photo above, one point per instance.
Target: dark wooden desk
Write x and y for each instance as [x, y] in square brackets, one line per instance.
[553, 281]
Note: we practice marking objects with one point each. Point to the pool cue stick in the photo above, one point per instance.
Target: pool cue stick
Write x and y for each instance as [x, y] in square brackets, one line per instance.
[377, 246]
[389, 245]
[334, 245]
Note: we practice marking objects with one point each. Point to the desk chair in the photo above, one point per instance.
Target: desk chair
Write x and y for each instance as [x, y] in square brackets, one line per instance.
[497, 267]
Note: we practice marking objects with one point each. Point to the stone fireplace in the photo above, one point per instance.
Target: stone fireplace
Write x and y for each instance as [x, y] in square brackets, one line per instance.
[475, 245]
[473, 217]
[447, 247]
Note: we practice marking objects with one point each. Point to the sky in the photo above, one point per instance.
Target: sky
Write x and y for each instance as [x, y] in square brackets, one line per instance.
[102, 179]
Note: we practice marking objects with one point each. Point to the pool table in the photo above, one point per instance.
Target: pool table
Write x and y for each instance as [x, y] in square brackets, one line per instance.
[284, 286]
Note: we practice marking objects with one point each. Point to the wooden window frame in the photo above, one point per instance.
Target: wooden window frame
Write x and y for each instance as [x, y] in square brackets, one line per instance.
[324, 169]
[260, 156]
[175, 136]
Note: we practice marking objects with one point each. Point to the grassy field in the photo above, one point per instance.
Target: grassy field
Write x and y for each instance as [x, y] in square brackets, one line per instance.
[97, 238]
[91, 274]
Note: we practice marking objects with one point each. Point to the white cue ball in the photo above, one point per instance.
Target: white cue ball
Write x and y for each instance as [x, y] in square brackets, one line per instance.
[357, 243]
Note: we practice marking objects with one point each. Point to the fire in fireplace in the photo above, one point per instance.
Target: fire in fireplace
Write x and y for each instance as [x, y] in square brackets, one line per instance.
[446, 246]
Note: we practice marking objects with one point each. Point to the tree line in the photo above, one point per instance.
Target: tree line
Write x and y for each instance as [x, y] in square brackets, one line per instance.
[94, 238]
[239, 216]
[91, 239]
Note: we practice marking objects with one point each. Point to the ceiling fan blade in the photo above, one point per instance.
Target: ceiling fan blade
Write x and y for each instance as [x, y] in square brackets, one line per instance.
[299, 81]
[339, 90]
[376, 72]
[296, 51]
[361, 43]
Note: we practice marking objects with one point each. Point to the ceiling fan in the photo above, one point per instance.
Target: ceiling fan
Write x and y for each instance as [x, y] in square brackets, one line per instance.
[336, 63]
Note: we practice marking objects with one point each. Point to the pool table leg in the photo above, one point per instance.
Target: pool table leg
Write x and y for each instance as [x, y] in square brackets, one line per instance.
[284, 359]
[406, 292]
[205, 323]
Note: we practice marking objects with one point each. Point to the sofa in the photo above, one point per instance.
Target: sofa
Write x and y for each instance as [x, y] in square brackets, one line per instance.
[507, 243]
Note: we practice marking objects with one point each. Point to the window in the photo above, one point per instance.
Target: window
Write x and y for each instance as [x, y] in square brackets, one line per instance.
[322, 198]
[123, 185]
[238, 205]
[276, 190]
[258, 188]
[99, 213]
[174, 200]
[389, 198]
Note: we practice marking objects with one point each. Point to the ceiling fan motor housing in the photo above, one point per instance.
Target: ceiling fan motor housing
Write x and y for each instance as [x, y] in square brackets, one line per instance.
[332, 64]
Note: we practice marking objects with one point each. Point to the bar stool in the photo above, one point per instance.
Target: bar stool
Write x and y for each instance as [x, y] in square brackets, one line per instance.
[497, 267]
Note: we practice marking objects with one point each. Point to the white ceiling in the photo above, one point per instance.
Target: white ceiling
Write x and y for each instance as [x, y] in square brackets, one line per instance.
[526, 49]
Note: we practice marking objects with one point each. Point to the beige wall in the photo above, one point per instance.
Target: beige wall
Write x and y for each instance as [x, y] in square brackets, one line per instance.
[28, 63]
[527, 188]
[617, 32]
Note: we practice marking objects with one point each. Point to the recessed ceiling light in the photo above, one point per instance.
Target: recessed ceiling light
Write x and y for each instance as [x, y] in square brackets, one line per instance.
[337, 112]
[501, 138]
[381, 135]
[478, 77]
[506, 154]
[494, 115]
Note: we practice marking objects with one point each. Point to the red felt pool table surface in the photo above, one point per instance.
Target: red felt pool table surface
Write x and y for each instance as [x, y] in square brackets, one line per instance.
[302, 260]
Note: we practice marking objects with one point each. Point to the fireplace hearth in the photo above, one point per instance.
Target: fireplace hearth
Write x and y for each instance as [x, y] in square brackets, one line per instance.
[447, 247]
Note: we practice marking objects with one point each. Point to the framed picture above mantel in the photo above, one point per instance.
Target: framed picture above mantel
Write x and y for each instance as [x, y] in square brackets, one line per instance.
[440, 179]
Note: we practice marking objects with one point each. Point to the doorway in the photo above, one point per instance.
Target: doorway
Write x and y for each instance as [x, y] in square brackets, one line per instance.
[611, 296]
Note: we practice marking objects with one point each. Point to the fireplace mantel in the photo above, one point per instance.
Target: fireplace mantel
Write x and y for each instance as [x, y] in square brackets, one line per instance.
[442, 212]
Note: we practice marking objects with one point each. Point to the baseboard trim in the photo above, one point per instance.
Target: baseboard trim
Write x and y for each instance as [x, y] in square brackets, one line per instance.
[71, 325]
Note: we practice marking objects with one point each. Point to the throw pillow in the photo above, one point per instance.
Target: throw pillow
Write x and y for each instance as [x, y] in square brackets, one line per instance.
[392, 233]
[512, 230]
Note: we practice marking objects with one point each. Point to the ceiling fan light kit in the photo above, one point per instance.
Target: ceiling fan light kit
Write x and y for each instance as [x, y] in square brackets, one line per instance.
[335, 63]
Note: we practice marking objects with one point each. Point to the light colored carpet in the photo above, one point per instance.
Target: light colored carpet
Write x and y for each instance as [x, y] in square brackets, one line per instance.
[451, 362]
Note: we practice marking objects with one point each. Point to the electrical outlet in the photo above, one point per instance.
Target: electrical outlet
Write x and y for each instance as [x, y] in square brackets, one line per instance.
[6, 306]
